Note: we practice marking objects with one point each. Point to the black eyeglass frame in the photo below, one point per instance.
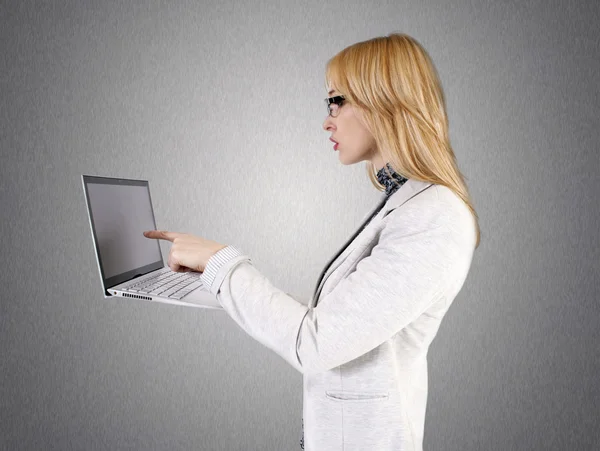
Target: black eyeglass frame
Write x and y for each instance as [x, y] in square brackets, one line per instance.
[338, 100]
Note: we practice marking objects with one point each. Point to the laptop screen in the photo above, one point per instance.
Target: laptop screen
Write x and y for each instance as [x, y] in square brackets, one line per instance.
[120, 210]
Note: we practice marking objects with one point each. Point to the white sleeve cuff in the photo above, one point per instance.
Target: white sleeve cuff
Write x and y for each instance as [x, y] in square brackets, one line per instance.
[216, 262]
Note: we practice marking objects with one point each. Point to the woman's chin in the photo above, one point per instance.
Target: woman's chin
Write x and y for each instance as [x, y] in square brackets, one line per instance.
[344, 160]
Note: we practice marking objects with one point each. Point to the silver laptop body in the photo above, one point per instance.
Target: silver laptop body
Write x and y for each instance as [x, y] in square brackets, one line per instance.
[131, 265]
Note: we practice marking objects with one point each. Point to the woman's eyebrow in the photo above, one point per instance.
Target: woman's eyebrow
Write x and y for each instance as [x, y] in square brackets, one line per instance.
[331, 92]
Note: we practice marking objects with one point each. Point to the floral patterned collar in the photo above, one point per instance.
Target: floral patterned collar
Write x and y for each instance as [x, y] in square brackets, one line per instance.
[393, 183]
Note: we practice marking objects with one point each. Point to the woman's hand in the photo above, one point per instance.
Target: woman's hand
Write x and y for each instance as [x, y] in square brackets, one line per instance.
[188, 252]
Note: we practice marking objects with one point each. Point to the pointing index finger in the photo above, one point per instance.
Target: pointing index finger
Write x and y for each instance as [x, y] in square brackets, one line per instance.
[160, 234]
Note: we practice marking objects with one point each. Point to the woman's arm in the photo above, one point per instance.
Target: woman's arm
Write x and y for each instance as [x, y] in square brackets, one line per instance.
[412, 265]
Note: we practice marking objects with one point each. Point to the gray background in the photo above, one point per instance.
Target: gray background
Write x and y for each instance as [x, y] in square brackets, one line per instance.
[220, 106]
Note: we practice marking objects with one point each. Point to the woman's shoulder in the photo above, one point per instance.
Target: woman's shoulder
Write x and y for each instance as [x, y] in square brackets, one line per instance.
[458, 216]
[436, 206]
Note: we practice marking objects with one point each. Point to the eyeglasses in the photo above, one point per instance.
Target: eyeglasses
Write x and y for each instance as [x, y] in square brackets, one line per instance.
[334, 104]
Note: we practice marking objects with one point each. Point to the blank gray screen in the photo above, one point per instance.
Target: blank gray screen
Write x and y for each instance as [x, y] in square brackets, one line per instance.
[121, 214]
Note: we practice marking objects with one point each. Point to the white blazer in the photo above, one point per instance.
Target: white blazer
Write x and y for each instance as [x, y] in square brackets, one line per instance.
[361, 342]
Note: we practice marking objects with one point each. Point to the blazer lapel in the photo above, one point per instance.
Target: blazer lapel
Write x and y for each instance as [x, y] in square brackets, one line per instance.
[408, 190]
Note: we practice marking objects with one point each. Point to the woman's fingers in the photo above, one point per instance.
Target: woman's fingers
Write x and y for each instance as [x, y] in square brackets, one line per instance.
[162, 235]
[188, 252]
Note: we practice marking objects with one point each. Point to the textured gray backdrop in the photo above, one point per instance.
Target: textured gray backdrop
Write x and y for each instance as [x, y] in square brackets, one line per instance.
[220, 106]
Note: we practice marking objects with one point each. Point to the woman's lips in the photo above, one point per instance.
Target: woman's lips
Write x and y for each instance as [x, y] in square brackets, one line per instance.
[335, 143]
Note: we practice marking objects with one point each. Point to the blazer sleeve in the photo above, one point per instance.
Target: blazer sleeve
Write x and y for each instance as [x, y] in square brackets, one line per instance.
[411, 266]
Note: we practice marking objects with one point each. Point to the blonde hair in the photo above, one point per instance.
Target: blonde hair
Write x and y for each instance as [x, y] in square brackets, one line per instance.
[395, 86]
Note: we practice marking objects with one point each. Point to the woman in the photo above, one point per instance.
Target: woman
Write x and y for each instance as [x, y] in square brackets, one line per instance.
[361, 342]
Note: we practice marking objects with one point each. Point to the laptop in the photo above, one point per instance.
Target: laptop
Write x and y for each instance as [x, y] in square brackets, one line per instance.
[131, 265]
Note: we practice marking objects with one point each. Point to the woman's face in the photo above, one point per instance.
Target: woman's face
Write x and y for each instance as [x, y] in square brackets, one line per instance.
[355, 142]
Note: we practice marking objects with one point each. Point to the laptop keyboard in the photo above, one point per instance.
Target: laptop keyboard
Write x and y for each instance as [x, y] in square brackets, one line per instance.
[166, 283]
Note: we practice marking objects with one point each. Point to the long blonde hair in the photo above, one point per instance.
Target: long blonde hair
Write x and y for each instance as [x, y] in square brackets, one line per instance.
[395, 86]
